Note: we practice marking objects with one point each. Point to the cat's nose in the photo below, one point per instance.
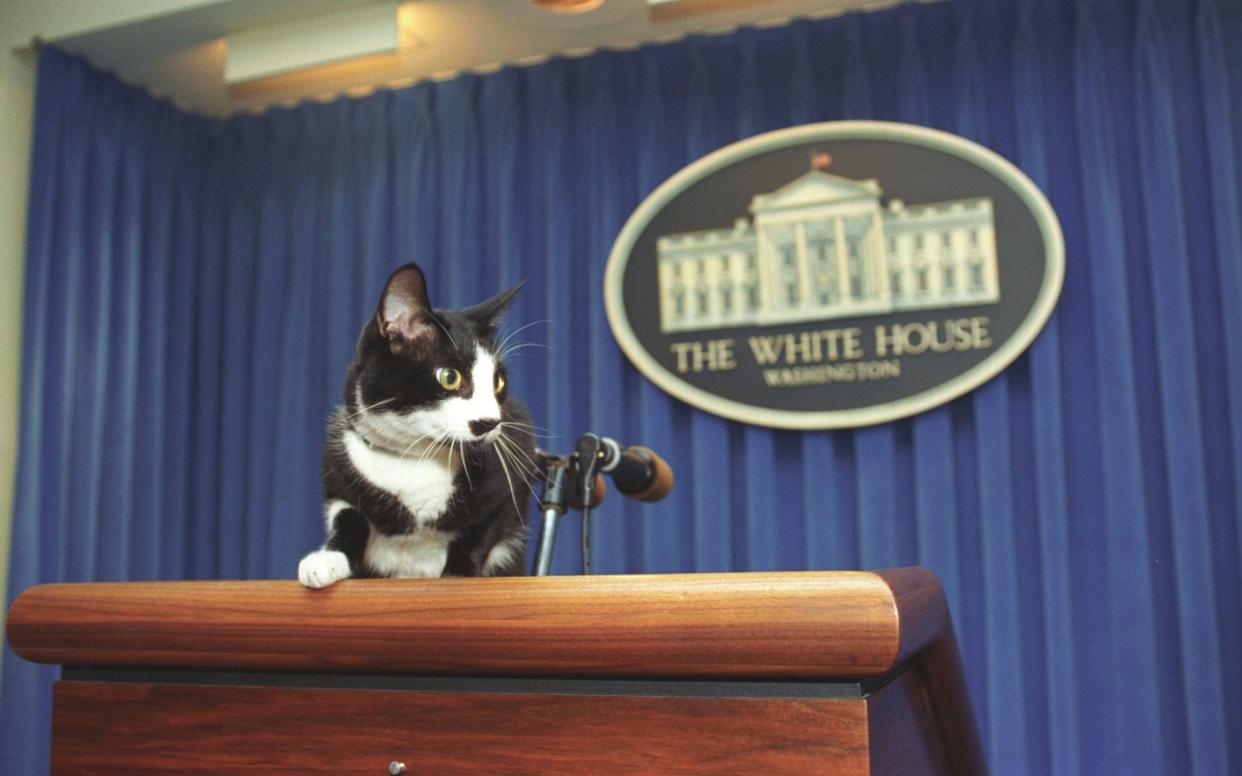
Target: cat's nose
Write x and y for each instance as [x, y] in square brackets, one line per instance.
[483, 425]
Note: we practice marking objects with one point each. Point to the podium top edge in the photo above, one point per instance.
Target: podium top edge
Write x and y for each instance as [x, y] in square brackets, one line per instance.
[807, 625]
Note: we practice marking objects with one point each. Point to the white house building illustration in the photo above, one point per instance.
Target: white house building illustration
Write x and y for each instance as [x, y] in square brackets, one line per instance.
[823, 247]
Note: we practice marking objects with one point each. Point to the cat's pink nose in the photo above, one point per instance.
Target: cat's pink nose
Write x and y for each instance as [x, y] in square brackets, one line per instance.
[483, 425]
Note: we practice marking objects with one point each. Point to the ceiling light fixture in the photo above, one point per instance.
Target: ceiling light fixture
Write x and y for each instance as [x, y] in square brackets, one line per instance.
[567, 6]
[262, 52]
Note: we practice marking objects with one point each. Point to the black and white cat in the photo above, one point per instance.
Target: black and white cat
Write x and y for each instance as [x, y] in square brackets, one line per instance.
[428, 463]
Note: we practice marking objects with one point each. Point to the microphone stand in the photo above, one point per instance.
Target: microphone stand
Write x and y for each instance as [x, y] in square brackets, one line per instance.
[553, 501]
[569, 482]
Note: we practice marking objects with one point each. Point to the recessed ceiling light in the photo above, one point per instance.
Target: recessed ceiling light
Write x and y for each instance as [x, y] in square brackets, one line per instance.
[567, 6]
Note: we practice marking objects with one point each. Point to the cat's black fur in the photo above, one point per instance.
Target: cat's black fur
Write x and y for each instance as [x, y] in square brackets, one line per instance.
[394, 374]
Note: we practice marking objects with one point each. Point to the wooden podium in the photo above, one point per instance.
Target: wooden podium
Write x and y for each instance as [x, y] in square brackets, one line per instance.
[815, 672]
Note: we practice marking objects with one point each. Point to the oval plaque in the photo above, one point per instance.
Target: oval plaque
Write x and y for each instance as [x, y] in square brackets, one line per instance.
[834, 275]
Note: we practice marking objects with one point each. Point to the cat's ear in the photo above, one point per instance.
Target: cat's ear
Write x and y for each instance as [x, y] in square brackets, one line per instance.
[485, 313]
[404, 317]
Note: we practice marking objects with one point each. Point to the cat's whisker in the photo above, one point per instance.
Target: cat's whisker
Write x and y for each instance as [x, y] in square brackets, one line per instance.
[515, 447]
[528, 464]
[531, 432]
[447, 449]
[407, 450]
[512, 334]
[366, 409]
[510, 447]
[519, 346]
[405, 453]
[438, 446]
[512, 493]
[446, 333]
[464, 467]
[519, 424]
[527, 432]
[431, 448]
[502, 448]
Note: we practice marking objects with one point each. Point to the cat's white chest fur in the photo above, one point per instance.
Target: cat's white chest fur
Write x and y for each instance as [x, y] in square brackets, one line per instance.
[423, 553]
[424, 484]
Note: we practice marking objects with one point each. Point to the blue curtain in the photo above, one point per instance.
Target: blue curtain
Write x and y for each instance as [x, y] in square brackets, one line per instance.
[194, 288]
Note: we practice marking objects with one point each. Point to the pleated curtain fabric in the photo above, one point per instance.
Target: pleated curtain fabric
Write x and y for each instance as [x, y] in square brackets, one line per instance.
[194, 288]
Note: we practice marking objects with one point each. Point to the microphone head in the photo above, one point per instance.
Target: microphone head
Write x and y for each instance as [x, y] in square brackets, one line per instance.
[662, 475]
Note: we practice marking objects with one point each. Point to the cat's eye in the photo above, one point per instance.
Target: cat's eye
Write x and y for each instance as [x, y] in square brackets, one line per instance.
[500, 384]
[448, 378]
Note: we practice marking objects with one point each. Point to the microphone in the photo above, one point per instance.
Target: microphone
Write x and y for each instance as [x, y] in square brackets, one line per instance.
[555, 469]
[575, 480]
[636, 471]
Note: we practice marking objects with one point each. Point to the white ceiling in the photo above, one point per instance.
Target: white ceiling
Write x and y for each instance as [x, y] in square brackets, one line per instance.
[181, 54]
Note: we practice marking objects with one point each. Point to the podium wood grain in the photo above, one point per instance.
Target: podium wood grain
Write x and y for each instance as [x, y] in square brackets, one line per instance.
[103, 729]
[814, 625]
[200, 675]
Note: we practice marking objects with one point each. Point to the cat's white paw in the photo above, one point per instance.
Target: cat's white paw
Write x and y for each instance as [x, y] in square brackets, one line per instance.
[323, 567]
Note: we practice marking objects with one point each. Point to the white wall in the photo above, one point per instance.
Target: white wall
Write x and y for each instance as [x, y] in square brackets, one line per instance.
[16, 93]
